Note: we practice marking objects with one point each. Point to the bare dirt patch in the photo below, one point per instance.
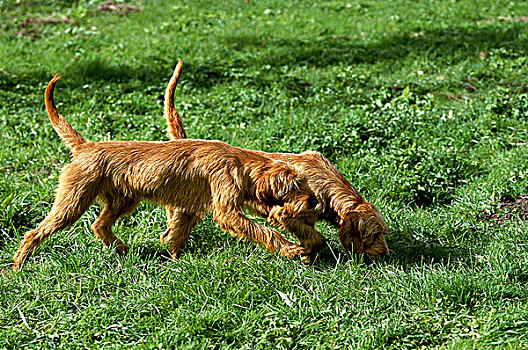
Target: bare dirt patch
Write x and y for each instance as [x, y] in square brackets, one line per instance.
[117, 8]
[508, 209]
[516, 19]
[47, 20]
[32, 26]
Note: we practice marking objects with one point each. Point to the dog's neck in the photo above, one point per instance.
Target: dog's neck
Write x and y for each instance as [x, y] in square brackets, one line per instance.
[341, 201]
[338, 194]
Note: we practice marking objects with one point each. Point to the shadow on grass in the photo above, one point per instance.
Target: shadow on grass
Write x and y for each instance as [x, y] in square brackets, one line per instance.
[405, 254]
[418, 252]
[147, 253]
[450, 44]
[18, 223]
[327, 50]
[405, 251]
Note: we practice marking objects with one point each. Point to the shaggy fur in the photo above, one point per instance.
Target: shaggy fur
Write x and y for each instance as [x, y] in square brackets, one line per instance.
[361, 226]
[190, 177]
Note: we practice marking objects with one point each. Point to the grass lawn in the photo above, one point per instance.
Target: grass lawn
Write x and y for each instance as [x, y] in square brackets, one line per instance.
[423, 105]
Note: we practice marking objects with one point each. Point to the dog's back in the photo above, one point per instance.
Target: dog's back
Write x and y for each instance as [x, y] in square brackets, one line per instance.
[178, 172]
[181, 172]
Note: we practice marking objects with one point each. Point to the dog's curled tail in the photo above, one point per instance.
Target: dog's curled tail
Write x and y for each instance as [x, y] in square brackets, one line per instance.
[175, 128]
[66, 132]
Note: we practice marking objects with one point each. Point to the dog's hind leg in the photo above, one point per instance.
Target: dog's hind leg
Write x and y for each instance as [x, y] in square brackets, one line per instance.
[180, 224]
[72, 199]
[115, 207]
[169, 210]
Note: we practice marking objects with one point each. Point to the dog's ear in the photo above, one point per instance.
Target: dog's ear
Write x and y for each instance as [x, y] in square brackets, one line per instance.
[349, 234]
[275, 183]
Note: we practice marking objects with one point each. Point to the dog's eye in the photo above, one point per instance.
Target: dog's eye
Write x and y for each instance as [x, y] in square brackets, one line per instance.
[312, 202]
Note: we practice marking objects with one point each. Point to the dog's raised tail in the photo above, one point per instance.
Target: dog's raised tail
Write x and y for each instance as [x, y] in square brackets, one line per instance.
[66, 132]
[175, 128]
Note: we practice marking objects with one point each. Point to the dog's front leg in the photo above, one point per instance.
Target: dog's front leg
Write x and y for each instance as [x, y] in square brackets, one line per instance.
[311, 240]
[233, 220]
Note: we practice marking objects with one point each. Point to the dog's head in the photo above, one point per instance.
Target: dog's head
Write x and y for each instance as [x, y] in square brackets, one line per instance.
[363, 230]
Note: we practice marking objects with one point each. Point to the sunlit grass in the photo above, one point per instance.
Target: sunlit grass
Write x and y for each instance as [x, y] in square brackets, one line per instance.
[422, 105]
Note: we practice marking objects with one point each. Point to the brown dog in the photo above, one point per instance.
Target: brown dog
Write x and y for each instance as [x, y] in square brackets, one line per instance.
[191, 177]
[361, 226]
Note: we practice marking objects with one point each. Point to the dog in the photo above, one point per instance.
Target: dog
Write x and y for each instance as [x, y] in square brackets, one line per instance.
[361, 225]
[190, 177]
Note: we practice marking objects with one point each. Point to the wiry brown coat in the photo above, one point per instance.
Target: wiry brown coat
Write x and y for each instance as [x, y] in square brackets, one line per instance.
[191, 177]
[361, 225]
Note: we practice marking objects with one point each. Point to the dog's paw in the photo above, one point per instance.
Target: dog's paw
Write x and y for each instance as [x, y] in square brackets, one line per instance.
[17, 262]
[307, 258]
[122, 249]
[293, 250]
[16, 266]
[164, 238]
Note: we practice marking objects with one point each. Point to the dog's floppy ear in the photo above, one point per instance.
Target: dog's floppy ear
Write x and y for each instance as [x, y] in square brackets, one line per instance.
[275, 183]
[349, 234]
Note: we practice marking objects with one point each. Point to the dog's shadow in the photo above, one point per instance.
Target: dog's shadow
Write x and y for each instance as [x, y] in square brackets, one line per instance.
[410, 251]
[152, 253]
[328, 257]
[403, 252]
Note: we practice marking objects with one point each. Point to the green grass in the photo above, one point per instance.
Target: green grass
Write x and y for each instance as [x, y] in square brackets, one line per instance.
[422, 105]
